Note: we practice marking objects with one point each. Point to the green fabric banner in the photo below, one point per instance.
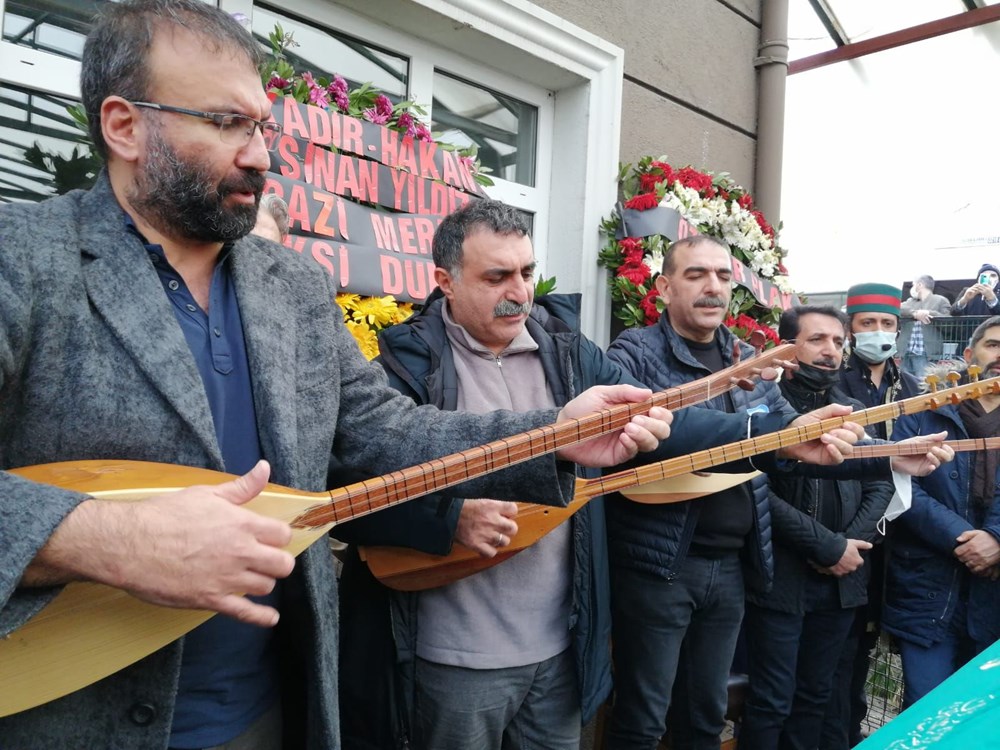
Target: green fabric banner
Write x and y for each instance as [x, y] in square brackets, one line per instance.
[962, 713]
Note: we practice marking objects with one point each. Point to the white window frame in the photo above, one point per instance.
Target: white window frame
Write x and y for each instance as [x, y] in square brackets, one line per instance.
[424, 58]
[582, 71]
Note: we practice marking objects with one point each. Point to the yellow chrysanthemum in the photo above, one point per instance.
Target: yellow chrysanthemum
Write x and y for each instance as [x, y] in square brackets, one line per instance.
[378, 311]
[403, 311]
[366, 338]
[348, 301]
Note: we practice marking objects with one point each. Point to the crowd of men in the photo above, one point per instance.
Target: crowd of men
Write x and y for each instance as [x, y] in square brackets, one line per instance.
[142, 320]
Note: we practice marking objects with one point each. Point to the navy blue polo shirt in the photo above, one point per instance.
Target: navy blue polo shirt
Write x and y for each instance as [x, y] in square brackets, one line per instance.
[229, 670]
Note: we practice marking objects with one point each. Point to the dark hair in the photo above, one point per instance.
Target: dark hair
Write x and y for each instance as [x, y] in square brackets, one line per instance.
[788, 325]
[115, 56]
[980, 332]
[496, 216]
[927, 281]
[669, 263]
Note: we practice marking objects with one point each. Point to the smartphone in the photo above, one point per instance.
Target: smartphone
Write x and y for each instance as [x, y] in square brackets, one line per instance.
[984, 279]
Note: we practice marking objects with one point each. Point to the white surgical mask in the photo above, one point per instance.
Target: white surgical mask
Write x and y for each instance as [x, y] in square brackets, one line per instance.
[875, 347]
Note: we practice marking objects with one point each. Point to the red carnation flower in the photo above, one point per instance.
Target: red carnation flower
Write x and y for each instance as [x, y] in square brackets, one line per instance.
[629, 244]
[762, 223]
[745, 201]
[668, 171]
[648, 182]
[632, 256]
[643, 201]
[659, 171]
[692, 178]
[637, 274]
[648, 307]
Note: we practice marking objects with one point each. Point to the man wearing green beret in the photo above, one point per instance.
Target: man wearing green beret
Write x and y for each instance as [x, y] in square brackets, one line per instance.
[871, 376]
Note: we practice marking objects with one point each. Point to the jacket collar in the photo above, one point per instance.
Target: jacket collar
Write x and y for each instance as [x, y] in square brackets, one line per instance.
[126, 292]
[678, 347]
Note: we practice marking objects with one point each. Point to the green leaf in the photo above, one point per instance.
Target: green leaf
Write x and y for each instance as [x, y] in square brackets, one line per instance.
[544, 286]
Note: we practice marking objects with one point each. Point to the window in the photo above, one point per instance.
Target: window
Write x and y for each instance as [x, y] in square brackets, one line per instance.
[325, 53]
[503, 128]
[56, 27]
[509, 119]
[36, 134]
[501, 48]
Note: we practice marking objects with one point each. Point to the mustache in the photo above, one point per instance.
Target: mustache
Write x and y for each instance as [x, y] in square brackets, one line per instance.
[710, 302]
[828, 363]
[246, 181]
[506, 308]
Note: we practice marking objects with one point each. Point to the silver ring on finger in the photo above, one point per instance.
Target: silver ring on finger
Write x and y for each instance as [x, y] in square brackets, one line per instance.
[499, 541]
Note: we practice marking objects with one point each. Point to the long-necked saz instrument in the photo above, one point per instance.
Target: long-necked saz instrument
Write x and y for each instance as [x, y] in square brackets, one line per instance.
[670, 481]
[90, 631]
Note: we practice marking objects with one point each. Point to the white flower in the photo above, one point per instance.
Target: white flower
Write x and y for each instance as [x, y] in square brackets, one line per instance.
[654, 262]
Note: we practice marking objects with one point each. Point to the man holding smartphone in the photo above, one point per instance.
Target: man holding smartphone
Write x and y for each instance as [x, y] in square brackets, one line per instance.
[981, 298]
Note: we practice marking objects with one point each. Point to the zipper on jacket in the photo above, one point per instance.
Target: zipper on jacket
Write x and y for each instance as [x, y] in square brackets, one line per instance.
[499, 363]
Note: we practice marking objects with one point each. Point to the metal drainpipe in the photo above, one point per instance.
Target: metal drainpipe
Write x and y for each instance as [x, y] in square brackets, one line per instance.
[772, 62]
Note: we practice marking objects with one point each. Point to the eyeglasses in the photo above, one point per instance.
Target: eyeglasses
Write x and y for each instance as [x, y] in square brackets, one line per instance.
[235, 130]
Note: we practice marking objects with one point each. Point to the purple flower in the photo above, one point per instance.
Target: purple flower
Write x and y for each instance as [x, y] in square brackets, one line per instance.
[372, 115]
[422, 133]
[342, 101]
[338, 86]
[381, 113]
[317, 94]
[383, 106]
[405, 122]
[319, 98]
[468, 161]
[277, 82]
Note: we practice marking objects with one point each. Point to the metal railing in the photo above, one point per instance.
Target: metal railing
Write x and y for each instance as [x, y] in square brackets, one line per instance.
[954, 336]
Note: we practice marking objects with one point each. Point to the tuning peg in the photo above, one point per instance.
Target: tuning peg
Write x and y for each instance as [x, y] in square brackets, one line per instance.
[788, 364]
[745, 384]
[932, 382]
[934, 403]
[974, 372]
[953, 378]
[771, 374]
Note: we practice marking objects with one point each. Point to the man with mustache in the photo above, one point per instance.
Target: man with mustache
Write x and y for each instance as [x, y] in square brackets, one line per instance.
[942, 589]
[821, 531]
[679, 571]
[516, 655]
[139, 321]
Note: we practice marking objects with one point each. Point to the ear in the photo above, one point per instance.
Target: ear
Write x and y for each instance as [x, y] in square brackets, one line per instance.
[444, 281]
[662, 285]
[967, 355]
[122, 128]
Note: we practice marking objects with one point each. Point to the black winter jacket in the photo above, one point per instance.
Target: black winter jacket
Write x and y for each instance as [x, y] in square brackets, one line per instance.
[655, 538]
[797, 502]
[419, 361]
[855, 379]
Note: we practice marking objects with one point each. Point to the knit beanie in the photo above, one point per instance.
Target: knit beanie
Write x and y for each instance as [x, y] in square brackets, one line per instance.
[988, 267]
[882, 298]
